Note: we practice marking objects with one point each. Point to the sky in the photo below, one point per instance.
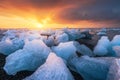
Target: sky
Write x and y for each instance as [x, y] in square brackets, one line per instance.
[59, 13]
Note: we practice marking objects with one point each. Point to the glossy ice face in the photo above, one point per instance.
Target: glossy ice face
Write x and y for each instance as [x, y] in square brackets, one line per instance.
[53, 69]
[29, 58]
[17, 62]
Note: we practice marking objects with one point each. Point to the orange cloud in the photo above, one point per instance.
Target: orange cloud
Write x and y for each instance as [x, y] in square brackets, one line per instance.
[55, 13]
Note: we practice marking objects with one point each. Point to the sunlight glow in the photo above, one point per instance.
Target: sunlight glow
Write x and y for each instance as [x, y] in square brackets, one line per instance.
[38, 25]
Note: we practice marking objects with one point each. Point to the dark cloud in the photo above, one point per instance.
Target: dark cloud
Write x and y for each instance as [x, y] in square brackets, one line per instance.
[41, 3]
[98, 10]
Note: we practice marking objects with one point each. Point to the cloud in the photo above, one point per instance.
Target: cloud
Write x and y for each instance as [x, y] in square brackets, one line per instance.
[40, 3]
[64, 11]
[102, 10]
[36, 8]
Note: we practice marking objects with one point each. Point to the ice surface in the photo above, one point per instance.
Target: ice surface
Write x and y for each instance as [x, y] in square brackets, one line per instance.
[29, 58]
[101, 33]
[117, 50]
[91, 68]
[103, 30]
[114, 71]
[9, 46]
[49, 41]
[83, 49]
[30, 36]
[53, 69]
[61, 38]
[73, 33]
[11, 34]
[116, 41]
[102, 47]
[47, 32]
[65, 50]
[85, 33]
[32, 50]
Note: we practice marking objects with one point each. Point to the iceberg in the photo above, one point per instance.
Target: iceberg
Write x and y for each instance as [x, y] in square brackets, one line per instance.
[117, 51]
[9, 46]
[103, 46]
[103, 30]
[91, 68]
[11, 34]
[101, 33]
[61, 38]
[30, 36]
[86, 34]
[114, 71]
[29, 58]
[65, 50]
[53, 69]
[116, 40]
[73, 34]
[47, 32]
[49, 41]
[83, 49]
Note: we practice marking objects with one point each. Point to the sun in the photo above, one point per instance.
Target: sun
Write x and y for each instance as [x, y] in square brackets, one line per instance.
[41, 24]
[38, 25]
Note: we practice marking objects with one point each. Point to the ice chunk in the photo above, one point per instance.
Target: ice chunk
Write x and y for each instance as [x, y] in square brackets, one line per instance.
[53, 69]
[10, 34]
[29, 58]
[9, 46]
[114, 71]
[47, 32]
[102, 47]
[65, 50]
[73, 34]
[44, 38]
[61, 38]
[116, 41]
[86, 34]
[83, 49]
[91, 68]
[103, 30]
[49, 41]
[30, 36]
[101, 33]
[117, 50]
